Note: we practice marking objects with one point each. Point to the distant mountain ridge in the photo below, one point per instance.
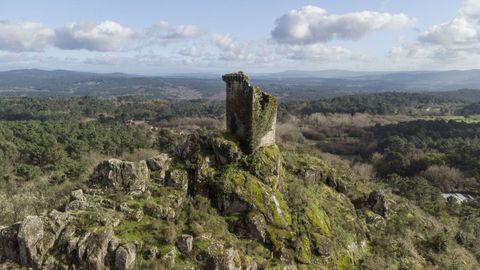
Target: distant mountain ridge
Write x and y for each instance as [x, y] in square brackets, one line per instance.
[292, 85]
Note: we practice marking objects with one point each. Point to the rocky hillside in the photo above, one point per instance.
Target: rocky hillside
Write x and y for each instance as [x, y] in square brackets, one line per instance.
[208, 206]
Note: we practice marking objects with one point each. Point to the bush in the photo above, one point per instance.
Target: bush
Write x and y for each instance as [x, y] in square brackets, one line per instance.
[28, 172]
[438, 243]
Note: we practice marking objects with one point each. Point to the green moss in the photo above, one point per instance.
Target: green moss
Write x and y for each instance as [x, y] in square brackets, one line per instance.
[280, 213]
[264, 113]
[345, 263]
[303, 251]
[227, 148]
[256, 194]
[319, 219]
[200, 244]
[264, 163]
[232, 177]
[149, 230]
[278, 238]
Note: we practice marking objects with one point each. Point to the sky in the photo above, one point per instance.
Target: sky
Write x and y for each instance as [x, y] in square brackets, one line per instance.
[192, 36]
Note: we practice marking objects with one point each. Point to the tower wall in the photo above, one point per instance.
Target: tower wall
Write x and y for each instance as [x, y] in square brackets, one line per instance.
[251, 113]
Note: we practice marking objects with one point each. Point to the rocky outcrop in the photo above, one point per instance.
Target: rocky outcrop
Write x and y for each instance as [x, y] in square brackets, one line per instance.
[225, 151]
[177, 179]
[9, 249]
[30, 246]
[125, 257]
[44, 242]
[159, 164]
[159, 211]
[185, 243]
[118, 175]
[257, 226]
[130, 213]
[77, 200]
[378, 203]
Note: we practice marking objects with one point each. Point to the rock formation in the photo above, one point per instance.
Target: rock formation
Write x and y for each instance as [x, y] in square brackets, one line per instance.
[121, 175]
[251, 113]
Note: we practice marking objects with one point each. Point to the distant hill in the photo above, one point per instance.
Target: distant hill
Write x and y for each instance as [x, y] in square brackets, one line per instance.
[288, 85]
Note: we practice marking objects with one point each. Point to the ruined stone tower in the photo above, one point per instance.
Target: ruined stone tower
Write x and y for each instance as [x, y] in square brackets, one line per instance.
[251, 113]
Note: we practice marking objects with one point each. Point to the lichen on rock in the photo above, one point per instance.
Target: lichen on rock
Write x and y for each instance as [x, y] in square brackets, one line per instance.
[119, 175]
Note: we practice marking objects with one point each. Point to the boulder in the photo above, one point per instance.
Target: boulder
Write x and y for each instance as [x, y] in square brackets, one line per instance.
[57, 221]
[233, 203]
[77, 200]
[378, 203]
[177, 179]
[150, 252]
[225, 151]
[222, 258]
[131, 213]
[9, 243]
[169, 258]
[323, 246]
[118, 175]
[257, 226]
[267, 165]
[159, 211]
[30, 235]
[77, 195]
[185, 243]
[191, 146]
[310, 176]
[160, 164]
[336, 184]
[95, 250]
[125, 257]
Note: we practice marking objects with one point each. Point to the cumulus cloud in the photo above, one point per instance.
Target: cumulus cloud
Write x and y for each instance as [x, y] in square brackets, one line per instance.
[193, 52]
[318, 53]
[408, 50]
[149, 59]
[312, 24]
[102, 36]
[24, 36]
[234, 50]
[162, 34]
[450, 41]
[462, 32]
[184, 32]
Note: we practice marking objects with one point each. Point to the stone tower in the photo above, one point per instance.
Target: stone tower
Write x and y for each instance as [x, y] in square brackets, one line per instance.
[251, 113]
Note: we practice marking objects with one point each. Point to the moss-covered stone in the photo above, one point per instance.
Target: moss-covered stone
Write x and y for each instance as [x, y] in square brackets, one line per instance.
[303, 252]
[266, 164]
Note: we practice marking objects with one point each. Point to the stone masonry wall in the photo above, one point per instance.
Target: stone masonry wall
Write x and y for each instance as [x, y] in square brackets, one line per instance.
[251, 113]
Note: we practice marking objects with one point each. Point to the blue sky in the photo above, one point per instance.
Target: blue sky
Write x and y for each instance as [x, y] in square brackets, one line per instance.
[158, 37]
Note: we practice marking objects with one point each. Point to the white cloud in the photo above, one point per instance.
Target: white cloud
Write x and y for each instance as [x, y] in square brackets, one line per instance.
[318, 53]
[102, 36]
[239, 51]
[192, 52]
[231, 49]
[461, 33]
[409, 50]
[162, 34]
[452, 42]
[24, 36]
[119, 60]
[312, 24]
[184, 32]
